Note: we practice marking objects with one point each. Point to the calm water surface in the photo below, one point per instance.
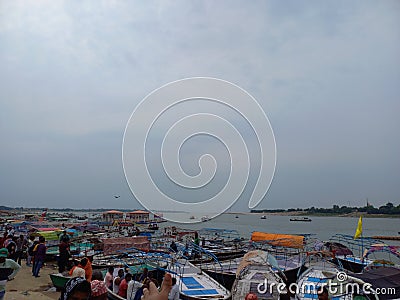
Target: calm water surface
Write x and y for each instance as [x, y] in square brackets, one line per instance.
[323, 227]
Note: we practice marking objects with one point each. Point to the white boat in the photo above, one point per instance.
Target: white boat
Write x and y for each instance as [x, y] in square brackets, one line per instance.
[195, 284]
[321, 272]
[263, 217]
[205, 218]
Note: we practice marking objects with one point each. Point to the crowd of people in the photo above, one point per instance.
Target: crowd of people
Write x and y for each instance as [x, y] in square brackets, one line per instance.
[84, 283]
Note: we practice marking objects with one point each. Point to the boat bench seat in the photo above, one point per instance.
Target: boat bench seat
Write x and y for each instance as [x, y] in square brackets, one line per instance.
[316, 279]
[200, 292]
[191, 283]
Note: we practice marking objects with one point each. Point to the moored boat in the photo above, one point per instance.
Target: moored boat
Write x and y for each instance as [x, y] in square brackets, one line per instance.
[300, 219]
[195, 284]
[59, 280]
[321, 272]
[255, 275]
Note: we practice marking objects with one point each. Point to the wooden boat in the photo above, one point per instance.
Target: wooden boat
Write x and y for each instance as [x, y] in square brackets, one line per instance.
[255, 271]
[153, 226]
[302, 219]
[112, 296]
[59, 280]
[348, 251]
[223, 272]
[263, 217]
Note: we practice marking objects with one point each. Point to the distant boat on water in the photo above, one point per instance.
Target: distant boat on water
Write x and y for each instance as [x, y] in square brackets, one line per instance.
[263, 217]
[302, 219]
[205, 218]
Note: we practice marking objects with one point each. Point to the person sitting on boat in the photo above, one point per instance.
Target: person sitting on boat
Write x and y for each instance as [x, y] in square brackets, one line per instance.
[173, 247]
[196, 239]
[117, 281]
[87, 266]
[123, 286]
[109, 278]
[133, 287]
[76, 288]
[8, 269]
[99, 289]
[323, 293]
[174, 293]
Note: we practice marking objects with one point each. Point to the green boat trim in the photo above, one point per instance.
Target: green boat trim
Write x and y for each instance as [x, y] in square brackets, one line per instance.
[59, 280]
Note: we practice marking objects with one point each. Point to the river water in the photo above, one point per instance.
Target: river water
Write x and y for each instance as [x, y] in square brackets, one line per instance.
[322, 227]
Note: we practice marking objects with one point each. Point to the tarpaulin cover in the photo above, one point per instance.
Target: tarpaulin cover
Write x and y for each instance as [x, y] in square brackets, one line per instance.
[388, 277]
[275, 239]
[115, 245]
[49, 235]
[338, 248]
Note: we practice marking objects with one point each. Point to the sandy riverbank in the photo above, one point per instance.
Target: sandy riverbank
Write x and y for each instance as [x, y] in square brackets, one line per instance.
[25, 286]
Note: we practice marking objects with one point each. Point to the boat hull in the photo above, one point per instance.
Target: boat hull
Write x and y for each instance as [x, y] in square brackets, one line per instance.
[225, 279]
[113, 296]
[59, 281]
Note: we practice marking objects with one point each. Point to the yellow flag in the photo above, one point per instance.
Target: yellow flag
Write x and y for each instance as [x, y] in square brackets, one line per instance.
[359, 228]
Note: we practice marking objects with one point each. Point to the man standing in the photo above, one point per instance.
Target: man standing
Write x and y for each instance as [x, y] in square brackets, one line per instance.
[123, 287]
[8, 270]
[64, 236]
[40, 256]
[21, 246]
[63, 249]
[11, 247]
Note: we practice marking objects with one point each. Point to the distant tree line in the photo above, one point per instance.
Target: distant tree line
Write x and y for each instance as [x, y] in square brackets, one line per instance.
[387, 209]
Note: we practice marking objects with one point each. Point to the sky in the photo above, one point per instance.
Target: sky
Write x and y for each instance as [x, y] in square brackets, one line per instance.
[326, 73]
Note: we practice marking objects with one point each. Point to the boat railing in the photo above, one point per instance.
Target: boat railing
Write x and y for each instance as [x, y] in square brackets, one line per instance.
[324, 257]
[357, 246]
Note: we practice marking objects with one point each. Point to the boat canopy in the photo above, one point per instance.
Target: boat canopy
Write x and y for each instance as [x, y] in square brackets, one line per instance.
[338, 248]
[275, 239]
[49, 235]
[395, 250]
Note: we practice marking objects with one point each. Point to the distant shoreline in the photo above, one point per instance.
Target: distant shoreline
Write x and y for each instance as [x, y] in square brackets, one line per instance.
[353, 214]
[301, 213]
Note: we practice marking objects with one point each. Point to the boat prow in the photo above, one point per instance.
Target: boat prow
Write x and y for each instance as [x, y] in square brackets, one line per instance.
[59, 280]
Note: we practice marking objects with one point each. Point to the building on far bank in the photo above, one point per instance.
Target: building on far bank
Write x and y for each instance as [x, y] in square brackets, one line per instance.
[138, 216]
[113, 215]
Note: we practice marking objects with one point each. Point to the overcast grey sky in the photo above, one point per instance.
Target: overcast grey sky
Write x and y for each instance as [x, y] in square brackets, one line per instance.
[327, 73]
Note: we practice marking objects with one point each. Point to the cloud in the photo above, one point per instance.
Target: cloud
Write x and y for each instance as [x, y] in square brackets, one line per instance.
[326, 74]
